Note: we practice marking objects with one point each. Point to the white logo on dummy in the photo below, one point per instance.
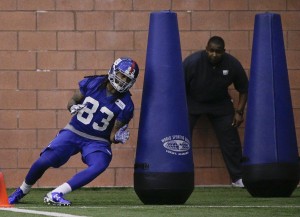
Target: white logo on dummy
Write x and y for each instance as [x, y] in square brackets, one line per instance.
[120, 104]
[225, 72]
[176, 145]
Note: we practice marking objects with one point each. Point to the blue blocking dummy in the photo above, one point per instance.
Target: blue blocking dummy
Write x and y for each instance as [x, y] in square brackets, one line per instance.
[270, 167]
[164, 169]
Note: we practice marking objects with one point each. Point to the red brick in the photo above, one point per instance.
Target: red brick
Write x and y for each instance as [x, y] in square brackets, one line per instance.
[141, 40]
[8, 119]
[136, 118]
[289, 20]
[10, 99]
[217, 158]
[70, 79]
[190, 5]
[293, 5]
[124, 177]
[138, 85]
[187, 53]
[36, 5]
[211, 176]
[113, 5]
[8, 5]
[87, 60]
[55, 21]
[37, 80]
[37, 41]
[56, 177]
[14, 177]
[132, 21]
[17, 139]
[26, 157]
[229, 5]
[45, 136]
[15, 60]
[296, 113]
[242, 20]
[293, 59]
[294, 78]
[266, 5]
[244, 56]
[202, 157]
[184, 21]
[234, 39]
[132, 142]
[8, 158]
[75, 5]
[76, 41]
[295, 94]
[99, 20]
[17, 21]
[53, 99]
[8, 80]
[293, 40]
[191, 40]
[199, 138]
[298, 136]
[137, 98]
[53, 60]
[114, 40]
[122, 158]
[211, 20]
[154, 5]
[107, 178]
[8, 41]
[63, 117]
[37, 119]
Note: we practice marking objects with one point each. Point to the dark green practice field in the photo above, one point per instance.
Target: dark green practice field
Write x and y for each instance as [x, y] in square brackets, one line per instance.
[123, 202]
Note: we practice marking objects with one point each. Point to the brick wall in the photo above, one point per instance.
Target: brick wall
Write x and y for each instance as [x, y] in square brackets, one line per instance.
[47, 46]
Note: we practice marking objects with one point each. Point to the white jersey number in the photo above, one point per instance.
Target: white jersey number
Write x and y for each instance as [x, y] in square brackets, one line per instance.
[90, 114]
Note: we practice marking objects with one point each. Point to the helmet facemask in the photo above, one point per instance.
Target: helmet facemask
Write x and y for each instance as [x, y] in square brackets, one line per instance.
[122, 74]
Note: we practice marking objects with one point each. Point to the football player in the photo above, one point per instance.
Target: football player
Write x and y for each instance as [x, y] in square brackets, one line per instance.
[102, 108]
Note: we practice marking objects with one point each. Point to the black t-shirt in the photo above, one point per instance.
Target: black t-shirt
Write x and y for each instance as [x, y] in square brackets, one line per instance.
[207, 84]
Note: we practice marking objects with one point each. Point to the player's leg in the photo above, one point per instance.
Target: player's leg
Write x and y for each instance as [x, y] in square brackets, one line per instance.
[230, 144]
[52, 156]
[97, 163]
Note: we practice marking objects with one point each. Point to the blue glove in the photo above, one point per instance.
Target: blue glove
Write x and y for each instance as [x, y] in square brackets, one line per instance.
[76, 108]
[122, 135]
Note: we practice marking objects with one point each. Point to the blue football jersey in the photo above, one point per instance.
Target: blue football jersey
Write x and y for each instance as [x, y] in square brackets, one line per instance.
[97, 118]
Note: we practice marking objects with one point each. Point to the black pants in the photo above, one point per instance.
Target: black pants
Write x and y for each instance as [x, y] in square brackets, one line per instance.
[229, 141]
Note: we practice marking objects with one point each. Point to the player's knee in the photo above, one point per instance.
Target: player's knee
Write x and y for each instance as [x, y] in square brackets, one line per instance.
[98, 162]
[51, 158]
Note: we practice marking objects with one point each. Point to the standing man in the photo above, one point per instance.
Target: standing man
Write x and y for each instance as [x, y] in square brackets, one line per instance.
[101, 108]
[208, 74]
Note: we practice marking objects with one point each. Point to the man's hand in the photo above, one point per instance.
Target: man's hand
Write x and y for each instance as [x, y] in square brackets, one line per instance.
[122, 135]
[76, 108]
[237, 120]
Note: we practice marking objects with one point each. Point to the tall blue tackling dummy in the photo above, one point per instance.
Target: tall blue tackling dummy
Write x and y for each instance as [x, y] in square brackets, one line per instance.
[164, 170]
[270, 167]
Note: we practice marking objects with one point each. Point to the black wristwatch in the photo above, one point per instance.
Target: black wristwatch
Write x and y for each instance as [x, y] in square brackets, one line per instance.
[240, 112]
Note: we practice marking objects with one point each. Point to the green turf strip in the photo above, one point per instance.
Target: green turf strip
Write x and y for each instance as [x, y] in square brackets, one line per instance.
[204, 201]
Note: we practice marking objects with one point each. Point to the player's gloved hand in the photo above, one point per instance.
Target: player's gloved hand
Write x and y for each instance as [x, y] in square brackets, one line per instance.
[122, 135]
[76, 108]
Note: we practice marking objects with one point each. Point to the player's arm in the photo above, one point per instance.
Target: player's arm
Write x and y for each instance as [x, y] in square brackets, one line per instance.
[119, 132]
[75, 100]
